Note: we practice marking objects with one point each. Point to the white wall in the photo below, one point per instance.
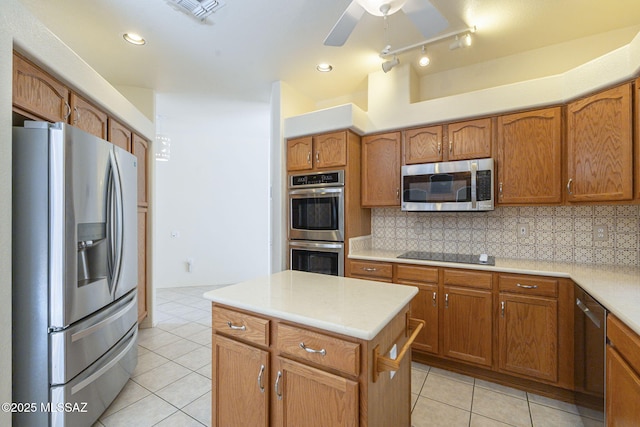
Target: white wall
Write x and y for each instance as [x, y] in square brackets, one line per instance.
[214, 191]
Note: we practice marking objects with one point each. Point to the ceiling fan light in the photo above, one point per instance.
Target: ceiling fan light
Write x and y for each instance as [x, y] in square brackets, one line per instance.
[375, 7]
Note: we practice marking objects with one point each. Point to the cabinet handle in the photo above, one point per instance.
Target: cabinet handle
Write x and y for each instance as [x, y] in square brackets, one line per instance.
[260, 386]
[569, 186]
[68, 113]
[527, 286]
[321, 352]
[439, 147]
[77, 118]
[317, 157]
[435, 300]
[236, 328]
[446, 300]
[369, 269]
[277, 385]
[450, 146]
[309, 157]
[500, 189]
[502, 308]
[398, 193]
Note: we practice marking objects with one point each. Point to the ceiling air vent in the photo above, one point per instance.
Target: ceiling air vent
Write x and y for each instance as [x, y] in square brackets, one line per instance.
[198, 9]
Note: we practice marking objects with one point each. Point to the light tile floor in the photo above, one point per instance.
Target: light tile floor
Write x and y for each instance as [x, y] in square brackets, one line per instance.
[172, 383]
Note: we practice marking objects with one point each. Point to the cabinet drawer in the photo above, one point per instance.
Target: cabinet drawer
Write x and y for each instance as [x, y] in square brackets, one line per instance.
[318, 348]
[625, 341]
[240, 325]
[382, 271]
[529, 285]
[470, 279]
[418, 274]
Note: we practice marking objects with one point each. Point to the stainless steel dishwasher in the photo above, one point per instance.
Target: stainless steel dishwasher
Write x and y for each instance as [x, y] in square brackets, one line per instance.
[590, 342]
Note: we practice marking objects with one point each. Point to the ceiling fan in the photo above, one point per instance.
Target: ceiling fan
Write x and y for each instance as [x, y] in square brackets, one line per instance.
[421, 12]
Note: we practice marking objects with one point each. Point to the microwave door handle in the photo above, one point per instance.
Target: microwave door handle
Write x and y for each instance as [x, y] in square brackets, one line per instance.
[474, 183]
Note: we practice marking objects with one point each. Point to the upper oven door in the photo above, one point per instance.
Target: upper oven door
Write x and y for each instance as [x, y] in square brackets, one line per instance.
[317, 214]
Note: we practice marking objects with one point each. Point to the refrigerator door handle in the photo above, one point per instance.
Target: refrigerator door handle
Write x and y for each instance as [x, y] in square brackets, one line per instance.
[115, 219]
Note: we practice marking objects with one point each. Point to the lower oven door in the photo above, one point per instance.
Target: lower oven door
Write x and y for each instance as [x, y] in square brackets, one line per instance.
[317, 257]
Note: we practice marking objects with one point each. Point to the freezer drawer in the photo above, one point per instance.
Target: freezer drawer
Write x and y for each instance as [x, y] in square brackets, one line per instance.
[77, 347]
[89, 394]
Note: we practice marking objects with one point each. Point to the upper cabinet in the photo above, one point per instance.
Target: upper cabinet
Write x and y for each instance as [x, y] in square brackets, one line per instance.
[600, 147]
[88, 117]
[38, 95]
[120, 135]
[381, 170]
[423, 145]
[469, 140]
[139, 149]
[326, 151]
[637, 141]
[529, 162]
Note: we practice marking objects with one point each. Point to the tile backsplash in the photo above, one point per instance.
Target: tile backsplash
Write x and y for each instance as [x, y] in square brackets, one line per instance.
[562, 233]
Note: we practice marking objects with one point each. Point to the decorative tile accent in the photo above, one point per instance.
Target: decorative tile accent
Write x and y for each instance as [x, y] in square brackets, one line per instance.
[556, 233]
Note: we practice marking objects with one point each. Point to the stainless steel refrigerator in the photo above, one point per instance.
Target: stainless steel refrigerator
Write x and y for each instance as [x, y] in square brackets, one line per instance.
[74, 251]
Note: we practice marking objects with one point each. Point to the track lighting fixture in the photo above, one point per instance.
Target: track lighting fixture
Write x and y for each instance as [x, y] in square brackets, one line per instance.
[461, 42]
[424, 59]
[388, 65]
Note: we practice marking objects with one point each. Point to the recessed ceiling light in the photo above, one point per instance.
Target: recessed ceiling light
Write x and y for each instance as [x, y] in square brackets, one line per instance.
[324, 67]
[134, 38]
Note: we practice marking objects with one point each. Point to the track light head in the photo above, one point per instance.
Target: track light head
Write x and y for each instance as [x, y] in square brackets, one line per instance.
[461, 42]
[388, 65]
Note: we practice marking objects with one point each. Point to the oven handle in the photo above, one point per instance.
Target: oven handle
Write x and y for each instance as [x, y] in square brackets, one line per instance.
[315, 192]
[588, 313]
[315, 245]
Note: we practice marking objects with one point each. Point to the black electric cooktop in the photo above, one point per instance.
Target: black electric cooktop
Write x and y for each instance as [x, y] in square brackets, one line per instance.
[439, 256]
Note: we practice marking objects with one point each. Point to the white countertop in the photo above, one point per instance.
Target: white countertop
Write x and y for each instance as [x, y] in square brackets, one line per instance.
[615, 287]
[351, 307]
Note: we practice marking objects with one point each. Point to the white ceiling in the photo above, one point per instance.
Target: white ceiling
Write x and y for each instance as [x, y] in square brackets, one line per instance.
[248, 44]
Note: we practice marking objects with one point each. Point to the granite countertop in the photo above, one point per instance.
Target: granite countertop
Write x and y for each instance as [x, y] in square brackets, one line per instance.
[615, 287]
[352, 307]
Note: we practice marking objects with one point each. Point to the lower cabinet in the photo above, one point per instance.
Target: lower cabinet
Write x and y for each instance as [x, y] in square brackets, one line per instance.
[623, 375]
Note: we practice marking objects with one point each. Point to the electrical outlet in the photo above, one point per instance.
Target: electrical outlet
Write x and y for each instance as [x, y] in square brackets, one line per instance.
[523, 230]
[600, 233]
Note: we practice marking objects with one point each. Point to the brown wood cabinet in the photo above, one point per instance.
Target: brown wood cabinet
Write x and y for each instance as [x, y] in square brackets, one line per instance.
[528, 327]
[266, 371]
[38, 95]
[143, 243]
[636, 120]
[119, 135]
[140, 149]
[422, 145]
[529, 162]
[88, 117]
[467, 321]
[470, 139]
[381, 170]
[424, 306]
[326, 151]
[600, 147]
[371, 270]
[623, 374]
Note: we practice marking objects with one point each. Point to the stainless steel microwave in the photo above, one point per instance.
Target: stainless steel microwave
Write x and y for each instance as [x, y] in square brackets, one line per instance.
[465, 185]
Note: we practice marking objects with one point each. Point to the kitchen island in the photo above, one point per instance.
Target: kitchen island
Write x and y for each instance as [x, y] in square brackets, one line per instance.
[298, 348]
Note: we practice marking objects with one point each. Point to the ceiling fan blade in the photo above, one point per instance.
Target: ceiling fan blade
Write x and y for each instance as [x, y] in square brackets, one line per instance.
[345, 25]
[425, 17]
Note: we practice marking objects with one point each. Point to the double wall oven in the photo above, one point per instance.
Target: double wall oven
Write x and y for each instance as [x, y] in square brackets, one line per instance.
[316, 222]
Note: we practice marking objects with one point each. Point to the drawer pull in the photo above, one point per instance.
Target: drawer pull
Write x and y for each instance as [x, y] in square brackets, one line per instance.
[370, 269]
[277, 385]
[235, 327]
[322, 351]
[527, 286]
[260, 386]
[381, 363]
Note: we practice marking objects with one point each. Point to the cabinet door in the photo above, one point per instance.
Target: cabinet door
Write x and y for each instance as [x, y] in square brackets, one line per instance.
[139, 149]
[119, 135]
[423, 145]
[600, 147]
[467, 325]
[37, 94]
[469, 140]
[330, 150]
[88, 117]
[299, 154]
[381, 170]
[309, 397]
[636, 120]
[623, 392]
[424, 306]
[529, 157]
[528, 336]
[142, 263]
[240, 389]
